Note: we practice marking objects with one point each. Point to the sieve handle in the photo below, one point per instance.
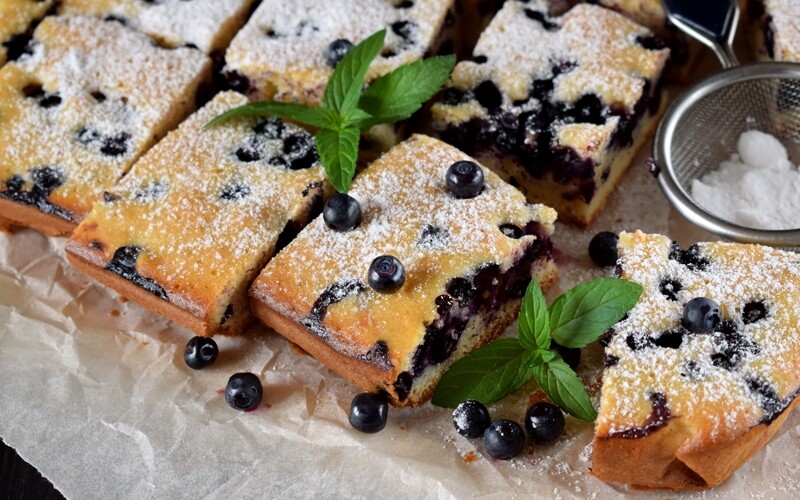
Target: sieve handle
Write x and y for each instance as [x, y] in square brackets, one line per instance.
[712, 22]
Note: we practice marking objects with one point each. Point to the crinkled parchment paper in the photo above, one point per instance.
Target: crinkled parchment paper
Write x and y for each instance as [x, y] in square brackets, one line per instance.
[96, 395]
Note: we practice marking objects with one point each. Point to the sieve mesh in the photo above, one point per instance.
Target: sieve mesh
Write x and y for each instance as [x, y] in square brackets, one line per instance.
[708, 131]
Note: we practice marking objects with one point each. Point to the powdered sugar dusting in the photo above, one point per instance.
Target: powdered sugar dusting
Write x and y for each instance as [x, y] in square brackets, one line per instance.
[207, 24]
[205, 220]
[786, 28]
[111, 94]
[284, 45]
[395, 218]
[716, 398]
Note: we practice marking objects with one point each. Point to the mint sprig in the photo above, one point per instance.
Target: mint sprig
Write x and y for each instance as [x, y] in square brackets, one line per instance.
[346, 110]
[575, 319]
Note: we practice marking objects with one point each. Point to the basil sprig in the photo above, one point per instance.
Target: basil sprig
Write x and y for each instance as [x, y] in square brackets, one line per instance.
[575, 319]
[346, 111]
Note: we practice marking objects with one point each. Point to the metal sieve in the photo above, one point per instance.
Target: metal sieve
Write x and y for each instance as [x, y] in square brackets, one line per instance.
[702, 127]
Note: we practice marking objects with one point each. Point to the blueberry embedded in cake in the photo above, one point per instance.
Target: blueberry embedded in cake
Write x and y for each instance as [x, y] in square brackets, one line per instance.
[558, 106]
[706, 367]
[78, 108]
[17, 19]
[199, 215]
[427, 275]
[207, 25]
[777, 32]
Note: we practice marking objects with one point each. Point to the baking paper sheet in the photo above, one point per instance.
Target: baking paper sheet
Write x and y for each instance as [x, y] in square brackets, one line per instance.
[96, 395]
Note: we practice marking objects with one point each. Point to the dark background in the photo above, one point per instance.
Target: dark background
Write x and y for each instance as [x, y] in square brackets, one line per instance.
[19, 480]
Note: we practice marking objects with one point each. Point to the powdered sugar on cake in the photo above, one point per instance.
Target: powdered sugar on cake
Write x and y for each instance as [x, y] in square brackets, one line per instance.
[718, 384]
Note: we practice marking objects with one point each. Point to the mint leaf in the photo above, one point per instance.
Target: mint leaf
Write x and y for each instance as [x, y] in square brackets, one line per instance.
[565, 389]
[488, 374]
[534, 320]
[338, 150]
[315, 117]
[581, 315]
[354, 117]
[345, 84]
[397, 95]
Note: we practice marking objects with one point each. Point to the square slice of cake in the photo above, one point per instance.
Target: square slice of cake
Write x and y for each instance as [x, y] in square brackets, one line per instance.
[208, 25]
[87, 99]
[558, 106]
[777, 35]
[466, 265]
[17, 18]
[198, 216]
[704, 369]
[287, 50]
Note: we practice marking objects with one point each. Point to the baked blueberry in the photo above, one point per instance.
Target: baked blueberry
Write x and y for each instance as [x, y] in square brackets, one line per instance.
[369, 412]
[754, 311]
[244, 391]
[603, 248]
[386, 274]
[342, 212]
[701, 315]
[465, 179]
[503, 439]
[544, 422]
[471, 418]
[200, 352]
[337, 49]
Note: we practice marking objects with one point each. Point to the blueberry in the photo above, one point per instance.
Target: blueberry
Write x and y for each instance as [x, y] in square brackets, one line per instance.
[386, 274]
[754, 311]
[200, 352]
[337, 50]
[465, 179]
[368, 412]
[544, 422]
[244, 391]
[570, 355]
[342, 212]
[701, 315]
[488, 95]
[603, 248]
[503, 439]
[471, 418]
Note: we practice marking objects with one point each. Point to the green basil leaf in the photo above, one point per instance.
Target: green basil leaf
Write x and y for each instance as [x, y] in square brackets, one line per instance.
[338, 150]
[582, 314]
[397, 95]
[315, 117]
[345, 84]
[488, 374]
[565, 389]
[534, 320]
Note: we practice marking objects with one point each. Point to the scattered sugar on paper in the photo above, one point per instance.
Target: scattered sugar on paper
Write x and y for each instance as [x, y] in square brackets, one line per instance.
[758, 187]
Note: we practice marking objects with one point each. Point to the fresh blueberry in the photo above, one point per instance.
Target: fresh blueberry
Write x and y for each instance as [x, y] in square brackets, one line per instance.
[386, 274]
[368, 412]
[337, 50]
[503, 439]
[471, 418]
[465, 179]
[342, 212]
[570, 355]
[244, 391]
[603, 248]
[701, 315]
[200, 352]
[544, 422]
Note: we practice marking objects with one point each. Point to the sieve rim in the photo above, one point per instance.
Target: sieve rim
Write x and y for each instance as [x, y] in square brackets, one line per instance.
[662, 148]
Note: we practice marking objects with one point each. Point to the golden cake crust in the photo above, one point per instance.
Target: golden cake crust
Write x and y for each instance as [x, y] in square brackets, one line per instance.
[681, 410]
[205, 221]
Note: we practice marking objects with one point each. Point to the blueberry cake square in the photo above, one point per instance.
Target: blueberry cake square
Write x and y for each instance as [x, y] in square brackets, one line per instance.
[207, 25]
[704, 369]
[200, 214]
[777, 35]
[558, 106]
[82, 103]
[17, 18]
[461, 265]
